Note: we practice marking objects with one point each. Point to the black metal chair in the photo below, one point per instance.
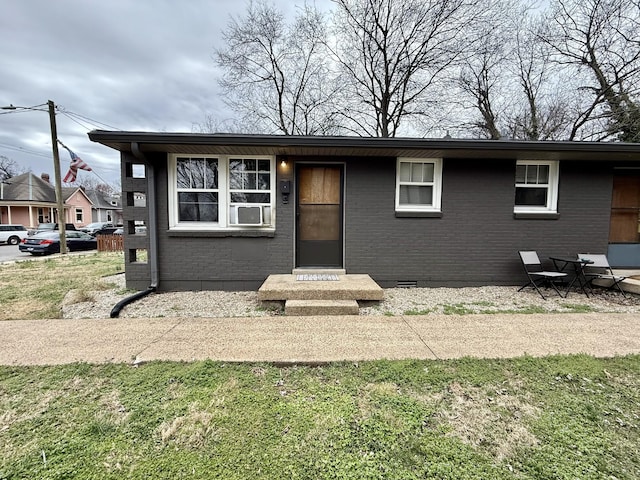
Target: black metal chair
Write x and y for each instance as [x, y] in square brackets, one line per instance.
[536, 275]
[599, 269]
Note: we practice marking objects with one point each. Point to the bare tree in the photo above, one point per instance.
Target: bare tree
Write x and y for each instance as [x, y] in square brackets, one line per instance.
[546, 95]
[213, 124]
[509, 83]
[602, 39]
[391, 54]
[92, 183]
[275, 74]
[482, 75]
[9, 168]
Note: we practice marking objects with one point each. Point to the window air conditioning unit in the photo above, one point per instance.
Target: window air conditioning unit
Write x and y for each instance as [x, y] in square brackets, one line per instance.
[249, 215]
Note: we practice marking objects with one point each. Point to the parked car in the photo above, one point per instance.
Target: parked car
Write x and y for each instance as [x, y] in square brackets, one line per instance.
[44, 243]
[139, 230]
[95, 227]
[12, 234]
[50, 227]
[105, 231]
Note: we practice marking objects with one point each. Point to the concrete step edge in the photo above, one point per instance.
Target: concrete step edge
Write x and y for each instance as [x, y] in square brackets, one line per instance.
[318, 271]
[337, 294]
[321, 302]
[321, 307]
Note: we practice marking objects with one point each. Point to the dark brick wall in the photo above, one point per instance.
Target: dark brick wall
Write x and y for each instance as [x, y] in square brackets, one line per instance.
[475, 242]
[222, 263]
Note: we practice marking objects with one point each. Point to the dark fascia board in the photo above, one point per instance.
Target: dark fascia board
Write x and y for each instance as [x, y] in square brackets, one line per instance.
[369, 146]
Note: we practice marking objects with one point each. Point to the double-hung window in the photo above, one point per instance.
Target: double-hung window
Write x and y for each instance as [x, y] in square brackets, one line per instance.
[221, 192]
[197, 185]
[418, 184]
[536, 186]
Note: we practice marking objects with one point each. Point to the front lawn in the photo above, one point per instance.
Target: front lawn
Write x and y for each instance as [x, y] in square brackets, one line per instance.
[34, 289]
[569, 417]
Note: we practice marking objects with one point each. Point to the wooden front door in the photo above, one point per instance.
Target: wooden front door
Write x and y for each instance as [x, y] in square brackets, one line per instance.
[625, 209]
[319, 231]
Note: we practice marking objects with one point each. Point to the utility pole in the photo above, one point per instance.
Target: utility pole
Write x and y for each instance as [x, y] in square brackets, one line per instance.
[58, 178]
[56, 169]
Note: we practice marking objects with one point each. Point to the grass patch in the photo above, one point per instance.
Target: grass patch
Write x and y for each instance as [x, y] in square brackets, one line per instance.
[525, 418]
[426, 311]
[457, 309]
[483, 303]
[34, 289]
[578, 308]
[270, 306]
[490, 308]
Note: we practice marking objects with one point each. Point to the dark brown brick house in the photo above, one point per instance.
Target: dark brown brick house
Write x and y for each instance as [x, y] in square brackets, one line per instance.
[225, 211]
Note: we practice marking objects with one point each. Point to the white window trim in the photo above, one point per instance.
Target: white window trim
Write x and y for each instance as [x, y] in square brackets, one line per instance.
[552, 196]
[436, 184]
[223, 195]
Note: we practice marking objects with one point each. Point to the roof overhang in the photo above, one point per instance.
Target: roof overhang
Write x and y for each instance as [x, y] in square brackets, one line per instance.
[234, 144]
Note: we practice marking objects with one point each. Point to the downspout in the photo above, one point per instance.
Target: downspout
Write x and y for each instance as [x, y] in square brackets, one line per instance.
[151, 231]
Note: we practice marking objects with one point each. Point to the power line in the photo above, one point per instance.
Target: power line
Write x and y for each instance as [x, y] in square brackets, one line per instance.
[74, 120]
[77, 118]
[23, 150]
[93, 122]
[13, 109]
[73, 116]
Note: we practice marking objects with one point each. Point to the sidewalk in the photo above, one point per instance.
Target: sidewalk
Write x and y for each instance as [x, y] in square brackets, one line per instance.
[316, 339]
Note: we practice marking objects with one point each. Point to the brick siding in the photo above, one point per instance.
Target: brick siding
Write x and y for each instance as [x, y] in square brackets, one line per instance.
[475, 242]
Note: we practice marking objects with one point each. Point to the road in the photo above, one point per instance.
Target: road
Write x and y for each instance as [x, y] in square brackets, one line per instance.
[11, 252]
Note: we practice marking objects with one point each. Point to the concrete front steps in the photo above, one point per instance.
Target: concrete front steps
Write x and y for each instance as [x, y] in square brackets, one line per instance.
[630, 284]
[320, 292]
[321, 307]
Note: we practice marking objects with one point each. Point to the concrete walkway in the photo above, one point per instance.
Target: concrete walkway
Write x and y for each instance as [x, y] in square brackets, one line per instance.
[316, 339]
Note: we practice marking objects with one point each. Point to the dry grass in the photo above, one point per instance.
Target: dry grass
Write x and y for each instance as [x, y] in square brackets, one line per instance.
[36, 289]
[197, 426]
[490, 418]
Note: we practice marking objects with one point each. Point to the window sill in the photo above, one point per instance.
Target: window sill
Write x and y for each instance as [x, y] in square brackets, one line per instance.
[221, 233]
[536, 215]
[417, 214]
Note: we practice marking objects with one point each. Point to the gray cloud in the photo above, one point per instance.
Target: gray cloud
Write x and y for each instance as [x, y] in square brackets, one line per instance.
[129, 64]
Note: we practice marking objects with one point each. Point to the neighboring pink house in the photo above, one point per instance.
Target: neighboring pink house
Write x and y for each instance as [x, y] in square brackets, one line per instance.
[30, 200]
[79, 210]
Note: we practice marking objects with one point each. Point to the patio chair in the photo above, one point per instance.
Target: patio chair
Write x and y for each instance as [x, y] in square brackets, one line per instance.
[600, 269]
[536, 275]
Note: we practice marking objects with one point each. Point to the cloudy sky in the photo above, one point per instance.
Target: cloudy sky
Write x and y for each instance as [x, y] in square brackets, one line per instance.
[117, 64]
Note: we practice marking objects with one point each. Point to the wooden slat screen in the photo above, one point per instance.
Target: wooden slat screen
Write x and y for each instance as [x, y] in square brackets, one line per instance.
[110, 243]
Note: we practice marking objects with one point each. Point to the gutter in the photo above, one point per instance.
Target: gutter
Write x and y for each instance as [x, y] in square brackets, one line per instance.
[370, 146]
[106, 137]
[151, 231]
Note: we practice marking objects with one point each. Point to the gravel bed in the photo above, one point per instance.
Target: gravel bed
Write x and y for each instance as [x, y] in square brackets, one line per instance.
[397, 301]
